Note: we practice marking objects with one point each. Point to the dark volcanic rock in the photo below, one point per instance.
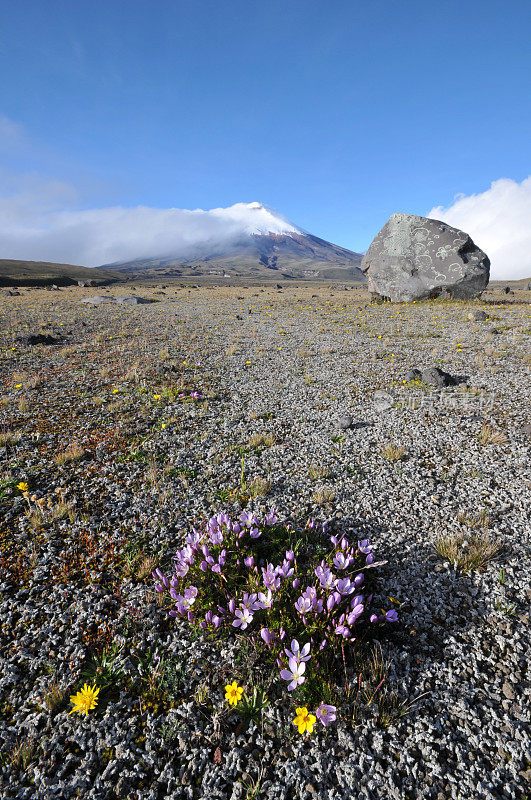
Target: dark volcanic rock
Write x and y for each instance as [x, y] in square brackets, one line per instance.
[433, 376]
[416, 257]
[414, 375]
[37, 338]
[478, 316]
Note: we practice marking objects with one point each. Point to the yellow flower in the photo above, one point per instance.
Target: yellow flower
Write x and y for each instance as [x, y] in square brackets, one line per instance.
[156, 397]
[115, 391]
[18, 386]
[233, 693]
[85, 700]
[22, 486]
[304, 720]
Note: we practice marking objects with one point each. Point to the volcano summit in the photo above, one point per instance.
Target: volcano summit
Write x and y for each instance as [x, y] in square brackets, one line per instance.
[244, 240]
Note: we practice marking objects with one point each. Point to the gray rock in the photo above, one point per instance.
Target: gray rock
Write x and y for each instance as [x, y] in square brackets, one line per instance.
[414, 375]
[344, 422]
[478, 316]
[97, 300]
[416, 257]
[123, 300]
[433, 376]
[383, 401]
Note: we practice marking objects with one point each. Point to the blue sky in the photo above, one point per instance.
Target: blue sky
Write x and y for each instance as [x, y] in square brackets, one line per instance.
[336, 113]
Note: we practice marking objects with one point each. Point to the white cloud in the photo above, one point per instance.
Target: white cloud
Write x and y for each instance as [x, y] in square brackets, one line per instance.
[32, 227]
[499, 221]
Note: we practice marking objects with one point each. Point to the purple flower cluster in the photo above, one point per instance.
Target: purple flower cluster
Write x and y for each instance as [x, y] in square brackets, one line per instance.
[234, 573]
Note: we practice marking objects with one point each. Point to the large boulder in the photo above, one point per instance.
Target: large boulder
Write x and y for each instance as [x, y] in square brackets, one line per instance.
[416, 257]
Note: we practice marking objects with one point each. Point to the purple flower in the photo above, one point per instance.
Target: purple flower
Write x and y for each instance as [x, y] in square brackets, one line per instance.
[248, 520]
[356, 612]
[271, 580]
[265, 600]
[342, 630]
[345, 586]
[249, 561]
[296, 653]
[391, 616]
[250, 601]
[216, 621]
[295, 674]
[254, 533]
[290, 555]
[369, 558]
[159, 575]
[342, 561]
[364, 546]
[373, 618]
[286, 570]
[243, 618]
[326, 714]
[295, 583]
[266, 635]
[271, 518]
[303, 605]
[325, 576]
[232, 605]
[330, 603]
[358, 580]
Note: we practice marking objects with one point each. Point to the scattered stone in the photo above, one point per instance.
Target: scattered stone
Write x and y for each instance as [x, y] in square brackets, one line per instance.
[508, 691]
[37, 338]
[382, 401]
[344, 422]
[526, 430]
[123, 300]
[415, 257]
[11, 292]
[478, 316]
[434, 376]
[414, 375]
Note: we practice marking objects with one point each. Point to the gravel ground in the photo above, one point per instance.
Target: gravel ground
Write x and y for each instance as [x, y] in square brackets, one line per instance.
[308, 386]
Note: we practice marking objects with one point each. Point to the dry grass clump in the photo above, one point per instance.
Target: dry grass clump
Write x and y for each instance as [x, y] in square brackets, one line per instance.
[8, 438]
[323, 496]
[489, 435]
[467, 552]
[318, 472]
[393, 452]
[73, 453]
[258, 487]
[23, 754]
[54, 697]
[479, 519]
[147, 565]
[258, 440]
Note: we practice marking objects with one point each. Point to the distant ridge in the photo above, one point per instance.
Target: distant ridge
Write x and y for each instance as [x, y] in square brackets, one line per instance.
[46, 273]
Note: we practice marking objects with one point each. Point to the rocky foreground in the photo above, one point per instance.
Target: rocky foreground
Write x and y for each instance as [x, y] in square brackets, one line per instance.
[123, 426]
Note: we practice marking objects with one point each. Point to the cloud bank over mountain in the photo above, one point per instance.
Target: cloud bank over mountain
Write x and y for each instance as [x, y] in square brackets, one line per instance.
[106, 235]
[499, 221]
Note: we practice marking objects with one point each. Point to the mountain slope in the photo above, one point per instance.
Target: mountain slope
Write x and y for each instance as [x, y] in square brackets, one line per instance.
[42, 273]
[257, 242]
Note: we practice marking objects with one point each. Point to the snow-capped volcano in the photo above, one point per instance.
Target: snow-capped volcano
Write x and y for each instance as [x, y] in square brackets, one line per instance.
[242, 240]
[255, 219]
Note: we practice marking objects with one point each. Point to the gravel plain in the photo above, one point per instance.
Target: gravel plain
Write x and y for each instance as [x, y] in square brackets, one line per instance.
[305, 388]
